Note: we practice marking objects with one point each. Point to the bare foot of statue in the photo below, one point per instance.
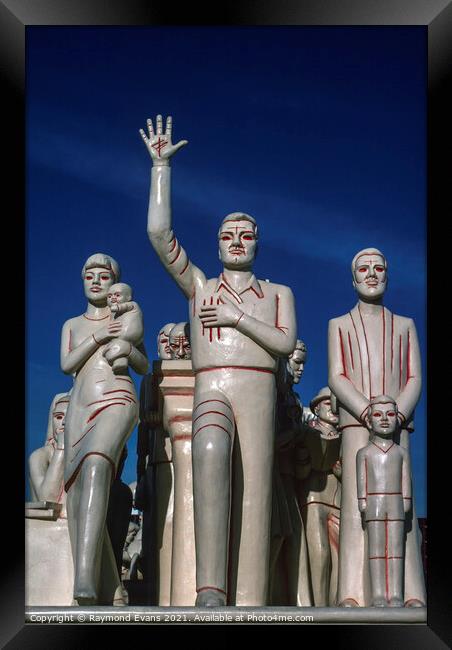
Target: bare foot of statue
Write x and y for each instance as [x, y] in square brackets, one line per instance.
[349, 602]
[211, 598]
[414, 602]
[396, 602]
[85, 597]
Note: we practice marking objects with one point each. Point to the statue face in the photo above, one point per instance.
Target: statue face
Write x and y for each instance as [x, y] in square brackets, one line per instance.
[325, 412]
[370, 277]
[118, 293]
[96, 284]
[163, 348]
[237, 244]
[295, 365]
[59, 415]
[179, 343]
[383, 418]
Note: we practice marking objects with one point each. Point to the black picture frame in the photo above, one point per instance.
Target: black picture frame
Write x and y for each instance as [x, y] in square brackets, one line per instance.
[436, 16]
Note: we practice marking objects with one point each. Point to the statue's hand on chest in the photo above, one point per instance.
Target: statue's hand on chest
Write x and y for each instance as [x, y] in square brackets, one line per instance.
[226, 313]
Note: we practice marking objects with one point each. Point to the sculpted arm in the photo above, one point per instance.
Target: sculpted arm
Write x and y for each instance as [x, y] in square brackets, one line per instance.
[340, 385]
[409, 396]
[406, 481]
[361, 479]
[160, 232]
[72, 359]
[132, 324]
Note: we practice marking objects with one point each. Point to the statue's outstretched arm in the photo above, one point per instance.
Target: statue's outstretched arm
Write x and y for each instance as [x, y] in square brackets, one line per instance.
[172, 255]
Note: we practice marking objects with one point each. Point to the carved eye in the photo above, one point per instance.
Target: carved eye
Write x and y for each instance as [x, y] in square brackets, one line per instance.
[377, 414]
[105, 277]
[248, 237]
[391, 414]
[380, 269]
[89, 276]
[362, 269]
[226, 237]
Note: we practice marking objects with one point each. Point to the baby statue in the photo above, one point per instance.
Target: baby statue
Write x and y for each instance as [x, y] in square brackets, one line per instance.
[384, 497]
[123, 308]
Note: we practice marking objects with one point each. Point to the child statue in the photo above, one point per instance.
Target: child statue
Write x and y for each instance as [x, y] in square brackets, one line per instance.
[123, 308]
[384, 497]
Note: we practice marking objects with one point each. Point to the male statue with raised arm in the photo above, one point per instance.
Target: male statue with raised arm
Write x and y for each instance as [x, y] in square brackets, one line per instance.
[372, 352]
[239, 327]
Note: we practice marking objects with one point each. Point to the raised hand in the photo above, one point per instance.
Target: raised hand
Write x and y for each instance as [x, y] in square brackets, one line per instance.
[159, 144]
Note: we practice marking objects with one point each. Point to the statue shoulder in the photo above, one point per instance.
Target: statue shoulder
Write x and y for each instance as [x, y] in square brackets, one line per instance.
[275, 289]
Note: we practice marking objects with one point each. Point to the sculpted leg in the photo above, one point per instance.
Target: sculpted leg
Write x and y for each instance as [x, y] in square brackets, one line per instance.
[94, 477]
[333, 523]
[319, 557]
[378, 563]
[213, 431]
[395, 551]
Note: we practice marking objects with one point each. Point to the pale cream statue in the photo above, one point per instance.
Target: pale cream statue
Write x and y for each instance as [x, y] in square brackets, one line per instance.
[179, 341]
[319, 494]
[372, 352]
[46, 464]
[384, 497]
[101, 416]
[163, 347]
[239, 327]
[123, 308]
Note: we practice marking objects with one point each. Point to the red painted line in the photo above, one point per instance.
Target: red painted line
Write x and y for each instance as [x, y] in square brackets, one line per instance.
[177, 256]
[331, 537]
[351, 351]
[365, 467]
[180, 418]
[100, 381]
[210, 328]
[344, 368]
[88, 318]
[367, 347]
[359, 350]
[194, 302]
[259, 296]
[121, 390]
[70, 340]
[77, 470]
[122, 379]
[175, 392]
[382, 557]
[281, 329]
[355, 601]
[174, 240]
[214, 589]
[218, 426]
[384, 349]
[400, 362]
[386, 560]
[203, 326]
[322, 503]
[385, 451]
[182, 437]
[392, 341]
[101, 401]
[102, 408]
[223, 284]
[206, 401]
[86, 432]
[277, 312]
[271, 372]
[185, 267]
[409, 498]
[350, 426]
[217, 412]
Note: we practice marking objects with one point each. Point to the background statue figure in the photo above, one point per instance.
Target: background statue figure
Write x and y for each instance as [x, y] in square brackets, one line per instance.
[319, 494]
[372, 351]
[235, 356]
[179, 341]
[47, 463]
[100, 418]
[384, 497]
[289, 563]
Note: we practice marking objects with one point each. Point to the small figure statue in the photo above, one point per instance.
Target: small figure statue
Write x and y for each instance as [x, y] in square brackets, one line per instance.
[179, 341]
[101, 416]
[372, 351]
[319, 494]
[47, 463]
[289, 564]
[384, 497]
[123, 308]
[239, 328]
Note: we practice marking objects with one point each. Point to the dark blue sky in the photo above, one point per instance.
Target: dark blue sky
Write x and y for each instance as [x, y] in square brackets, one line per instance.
[319, 132]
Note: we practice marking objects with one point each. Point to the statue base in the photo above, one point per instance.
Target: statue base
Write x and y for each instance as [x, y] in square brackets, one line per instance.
[49, 572]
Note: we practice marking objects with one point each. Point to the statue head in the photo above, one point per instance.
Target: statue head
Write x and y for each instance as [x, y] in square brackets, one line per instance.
[323, 405]
[59, 410]
[296, 361]
[369, 270]
[119, 293]
[179, 341]
[163, 348]
[237, 241]
[381, 416]
[99, 272]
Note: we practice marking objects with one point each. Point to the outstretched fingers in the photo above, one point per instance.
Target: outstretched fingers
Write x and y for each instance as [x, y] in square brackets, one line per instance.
[150, 128]
[159, 125]
[169, 126]
[180, 144]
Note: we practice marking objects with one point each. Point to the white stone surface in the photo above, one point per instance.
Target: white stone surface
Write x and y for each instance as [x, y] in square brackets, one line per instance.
[49, 573]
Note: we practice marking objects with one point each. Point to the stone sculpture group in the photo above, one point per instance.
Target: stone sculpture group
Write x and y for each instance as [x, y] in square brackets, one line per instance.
[247, 497]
